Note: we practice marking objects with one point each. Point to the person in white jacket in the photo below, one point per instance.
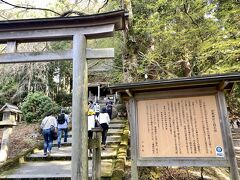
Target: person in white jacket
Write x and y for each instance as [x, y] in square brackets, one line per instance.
[48, 125]
[104, 121]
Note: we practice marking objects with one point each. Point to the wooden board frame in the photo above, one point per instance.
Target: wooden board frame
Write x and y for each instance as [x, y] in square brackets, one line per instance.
[229, 156]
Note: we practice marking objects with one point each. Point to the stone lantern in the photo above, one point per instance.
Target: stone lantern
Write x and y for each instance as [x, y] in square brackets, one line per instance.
[11, 115]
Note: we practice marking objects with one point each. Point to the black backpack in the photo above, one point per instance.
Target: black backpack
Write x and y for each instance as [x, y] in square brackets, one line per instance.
[61, 118]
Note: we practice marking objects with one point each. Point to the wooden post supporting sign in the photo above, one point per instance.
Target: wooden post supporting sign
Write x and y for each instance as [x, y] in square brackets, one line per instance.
[96, 169]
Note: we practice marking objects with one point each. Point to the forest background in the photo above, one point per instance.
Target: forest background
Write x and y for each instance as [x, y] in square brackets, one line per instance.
[164, 39]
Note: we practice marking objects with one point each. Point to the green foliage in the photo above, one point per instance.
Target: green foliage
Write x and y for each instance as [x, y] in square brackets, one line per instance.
[220, 53]
[64, 99]
[8, 87]
[234, 100]
[116, 74]
[62, 69]
[184, 38]
[36, 105]
[2, 100]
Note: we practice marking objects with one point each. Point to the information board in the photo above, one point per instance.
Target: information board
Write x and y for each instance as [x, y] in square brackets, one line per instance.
[179, 127]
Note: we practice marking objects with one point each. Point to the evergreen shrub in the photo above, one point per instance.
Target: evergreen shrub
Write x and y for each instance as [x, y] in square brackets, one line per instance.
[36, 105]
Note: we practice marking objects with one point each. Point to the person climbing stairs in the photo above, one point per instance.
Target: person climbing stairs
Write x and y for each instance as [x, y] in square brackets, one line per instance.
[58, 165]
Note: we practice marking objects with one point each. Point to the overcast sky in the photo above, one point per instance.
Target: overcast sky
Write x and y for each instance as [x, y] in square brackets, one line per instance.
[36, 3]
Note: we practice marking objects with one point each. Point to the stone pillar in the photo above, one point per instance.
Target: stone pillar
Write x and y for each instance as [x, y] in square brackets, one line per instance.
[4, 146]
[79, 110]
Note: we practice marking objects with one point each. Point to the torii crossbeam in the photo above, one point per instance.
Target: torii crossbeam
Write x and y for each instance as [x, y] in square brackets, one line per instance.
[78, 29]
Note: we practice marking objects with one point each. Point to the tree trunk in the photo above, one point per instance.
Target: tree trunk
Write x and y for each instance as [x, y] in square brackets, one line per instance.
[30, 77]
[127, 77]
[186, 68]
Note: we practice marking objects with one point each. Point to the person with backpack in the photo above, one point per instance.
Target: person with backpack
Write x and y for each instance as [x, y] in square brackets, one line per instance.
[109, 105]
[96, 109]
[62, 121]
[48, 126]
[104, 121]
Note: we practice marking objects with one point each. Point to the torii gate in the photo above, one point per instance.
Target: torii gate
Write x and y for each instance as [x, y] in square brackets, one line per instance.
[78, 29]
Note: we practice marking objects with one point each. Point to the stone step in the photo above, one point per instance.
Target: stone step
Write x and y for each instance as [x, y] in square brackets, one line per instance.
[117, 121]
[235, 130]
[58, 165]
[64, 153]
[237, 148]
[115, 139]
[236, 142]
[113, 132]
[116, 126]
[53, 170]
[235, 134]
[237, 153]
[236, 138]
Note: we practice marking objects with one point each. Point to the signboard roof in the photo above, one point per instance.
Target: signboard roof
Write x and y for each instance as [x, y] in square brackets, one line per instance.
[220, 81]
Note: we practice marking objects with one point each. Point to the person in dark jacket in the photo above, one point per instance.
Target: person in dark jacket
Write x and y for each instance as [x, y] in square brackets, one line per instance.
[238, 123]
[109, 105]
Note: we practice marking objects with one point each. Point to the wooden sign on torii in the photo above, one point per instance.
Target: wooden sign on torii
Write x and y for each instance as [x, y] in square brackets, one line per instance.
[78, 29]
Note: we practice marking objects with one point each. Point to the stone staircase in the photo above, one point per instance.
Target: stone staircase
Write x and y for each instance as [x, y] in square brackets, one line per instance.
[236, 144]
[58, 165]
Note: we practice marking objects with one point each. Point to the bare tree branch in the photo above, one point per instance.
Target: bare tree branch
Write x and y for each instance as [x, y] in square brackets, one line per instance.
[186, 10]
[64, 14]
[89, 1]
[4, 17]
[26, 7]
[67, 13]
[105, 4]
[3, 49]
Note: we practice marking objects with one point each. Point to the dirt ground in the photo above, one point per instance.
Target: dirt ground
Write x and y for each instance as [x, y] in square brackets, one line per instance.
[177, 173]
[24, 137]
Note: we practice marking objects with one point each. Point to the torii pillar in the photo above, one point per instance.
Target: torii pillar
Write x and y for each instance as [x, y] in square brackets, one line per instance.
[79, 109]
